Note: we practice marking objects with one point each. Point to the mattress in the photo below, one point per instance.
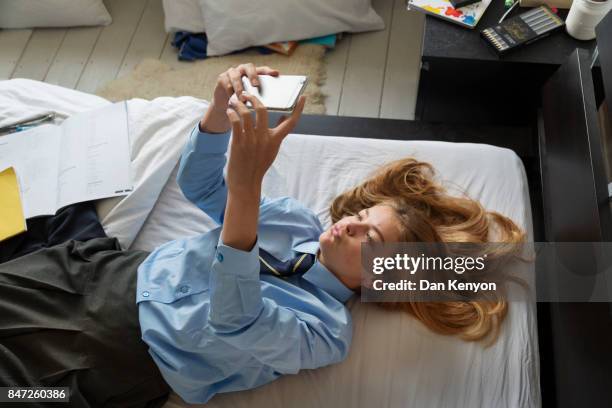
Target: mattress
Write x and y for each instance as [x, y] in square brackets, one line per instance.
[394, 361]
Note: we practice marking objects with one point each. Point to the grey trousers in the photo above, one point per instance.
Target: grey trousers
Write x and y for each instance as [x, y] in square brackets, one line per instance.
[68, 318]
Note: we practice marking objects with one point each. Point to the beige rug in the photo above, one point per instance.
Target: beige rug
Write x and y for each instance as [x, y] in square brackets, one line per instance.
[152, 78]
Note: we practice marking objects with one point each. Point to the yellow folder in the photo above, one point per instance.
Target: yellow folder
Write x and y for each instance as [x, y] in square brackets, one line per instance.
[12, 221]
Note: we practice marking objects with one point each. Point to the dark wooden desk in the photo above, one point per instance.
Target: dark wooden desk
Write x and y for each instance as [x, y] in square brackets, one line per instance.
[464, 81]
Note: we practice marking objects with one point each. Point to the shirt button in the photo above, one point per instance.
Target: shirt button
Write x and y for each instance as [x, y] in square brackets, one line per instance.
[184, 289]
[219, 257]
[145, 294]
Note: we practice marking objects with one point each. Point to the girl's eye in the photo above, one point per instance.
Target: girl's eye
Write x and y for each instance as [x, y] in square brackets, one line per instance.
[369, 238]
[359, 217]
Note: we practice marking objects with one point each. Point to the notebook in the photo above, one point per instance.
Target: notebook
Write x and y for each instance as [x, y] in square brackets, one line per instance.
[85, 158]
[283, 47]
[11, 211]
[467, 16]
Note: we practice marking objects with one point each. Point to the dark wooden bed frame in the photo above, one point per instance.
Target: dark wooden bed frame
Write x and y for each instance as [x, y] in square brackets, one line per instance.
[562, 154]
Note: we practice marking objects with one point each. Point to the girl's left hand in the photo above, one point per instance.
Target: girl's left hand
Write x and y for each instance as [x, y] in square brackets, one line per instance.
[255, 146]
[229, 82]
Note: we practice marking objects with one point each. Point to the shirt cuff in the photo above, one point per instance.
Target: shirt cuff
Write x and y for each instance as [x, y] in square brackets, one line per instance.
[237, 262]
[209, 142]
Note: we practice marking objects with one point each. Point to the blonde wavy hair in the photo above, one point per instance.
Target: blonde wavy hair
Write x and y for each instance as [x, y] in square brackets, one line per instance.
[427, 213]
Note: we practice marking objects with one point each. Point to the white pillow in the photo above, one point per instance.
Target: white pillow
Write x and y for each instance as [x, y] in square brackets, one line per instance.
[52, 13]
[183, 15]
[235, 24]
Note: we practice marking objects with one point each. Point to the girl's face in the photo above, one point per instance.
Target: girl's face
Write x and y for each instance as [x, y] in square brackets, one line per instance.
[340, 245]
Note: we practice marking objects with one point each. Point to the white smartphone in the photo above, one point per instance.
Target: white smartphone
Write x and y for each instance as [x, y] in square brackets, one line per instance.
[279, 93]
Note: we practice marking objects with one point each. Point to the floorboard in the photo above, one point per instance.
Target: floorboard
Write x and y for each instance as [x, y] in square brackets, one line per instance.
[109, 51]
[72, 56]
[373, 74]
[335, 61]
[403, 64]
[39, 53]
[365, 68]
[149, 39]
[12, 45]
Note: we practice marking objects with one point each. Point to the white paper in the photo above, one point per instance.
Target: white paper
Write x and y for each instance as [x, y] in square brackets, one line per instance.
[33, 154]
[94, 156]
[85, 158]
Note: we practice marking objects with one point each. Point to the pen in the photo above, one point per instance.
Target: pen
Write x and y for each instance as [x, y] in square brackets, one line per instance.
[28, 123]
[22, 128]
[512, 7]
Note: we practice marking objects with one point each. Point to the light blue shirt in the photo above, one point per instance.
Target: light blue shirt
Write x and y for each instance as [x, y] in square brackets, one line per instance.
[212, 323]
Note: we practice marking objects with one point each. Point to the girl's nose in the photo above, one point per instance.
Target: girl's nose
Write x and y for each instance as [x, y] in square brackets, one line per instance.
[355, 227]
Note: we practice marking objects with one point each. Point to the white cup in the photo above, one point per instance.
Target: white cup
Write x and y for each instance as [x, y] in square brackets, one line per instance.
[584, 15]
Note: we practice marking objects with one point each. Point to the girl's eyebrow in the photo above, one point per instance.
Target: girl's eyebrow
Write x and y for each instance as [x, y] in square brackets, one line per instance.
[376, 229]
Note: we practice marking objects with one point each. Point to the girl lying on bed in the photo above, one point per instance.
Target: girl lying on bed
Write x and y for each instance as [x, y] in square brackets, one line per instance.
[260, 296]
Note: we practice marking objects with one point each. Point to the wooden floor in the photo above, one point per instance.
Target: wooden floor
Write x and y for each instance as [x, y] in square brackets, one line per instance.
[371, 74]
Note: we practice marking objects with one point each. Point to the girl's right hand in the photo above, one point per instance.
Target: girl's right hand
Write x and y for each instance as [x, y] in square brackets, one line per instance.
[254, 146]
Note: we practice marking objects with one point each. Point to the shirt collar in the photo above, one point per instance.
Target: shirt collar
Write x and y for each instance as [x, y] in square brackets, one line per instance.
[322, 277]
[308, 247]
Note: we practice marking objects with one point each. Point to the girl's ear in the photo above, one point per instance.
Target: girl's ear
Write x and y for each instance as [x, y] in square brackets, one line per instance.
[367, 279]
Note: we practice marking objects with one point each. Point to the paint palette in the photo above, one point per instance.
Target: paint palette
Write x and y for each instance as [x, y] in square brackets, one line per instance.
[467, 16]
[522, 29]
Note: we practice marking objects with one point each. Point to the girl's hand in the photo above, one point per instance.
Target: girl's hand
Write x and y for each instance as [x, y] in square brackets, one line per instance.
[255, 146]
[229, 82]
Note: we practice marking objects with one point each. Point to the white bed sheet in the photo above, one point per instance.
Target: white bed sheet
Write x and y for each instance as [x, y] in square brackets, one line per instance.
[394, 361]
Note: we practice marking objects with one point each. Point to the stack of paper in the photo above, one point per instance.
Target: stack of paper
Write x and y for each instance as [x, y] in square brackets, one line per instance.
[85, 158]
[11, 210]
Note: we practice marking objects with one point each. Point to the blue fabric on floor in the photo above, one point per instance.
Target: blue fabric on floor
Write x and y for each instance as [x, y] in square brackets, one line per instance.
[190, 46]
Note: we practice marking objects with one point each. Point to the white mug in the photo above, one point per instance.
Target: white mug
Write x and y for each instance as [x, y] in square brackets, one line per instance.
[584, 15]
